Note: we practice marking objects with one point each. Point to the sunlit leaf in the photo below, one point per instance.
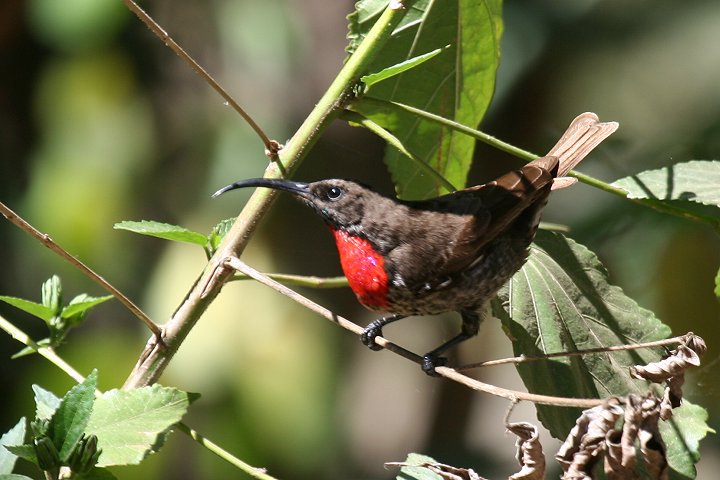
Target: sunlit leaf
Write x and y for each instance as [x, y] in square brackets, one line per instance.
[129, 424]
[397, 69]
[52, 294]
[46, 403]
[561, 301]
[81, 304]
[682, 435]
[458, 85]
[414, 469]
[68, 423]
[163, 230]
[14, 436]
[33, 308]
[695, 181]
[219, 232]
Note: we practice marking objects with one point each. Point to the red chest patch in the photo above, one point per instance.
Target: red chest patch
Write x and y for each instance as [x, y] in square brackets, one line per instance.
[364, 269]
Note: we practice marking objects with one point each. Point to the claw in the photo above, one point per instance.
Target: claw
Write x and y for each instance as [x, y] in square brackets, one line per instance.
[430, 362]
[369, 334]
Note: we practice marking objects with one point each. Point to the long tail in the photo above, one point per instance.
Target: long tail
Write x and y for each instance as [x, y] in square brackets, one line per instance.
[581, 137]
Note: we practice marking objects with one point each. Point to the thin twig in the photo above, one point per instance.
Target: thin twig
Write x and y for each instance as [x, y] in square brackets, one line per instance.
[47, 352]
[45, 239]
[153, 361]
[271, 146]
[450, 373]
[255, 472]
[577, 353]
[660, 206]
[392, 140]
[309, 281]
[458, 127]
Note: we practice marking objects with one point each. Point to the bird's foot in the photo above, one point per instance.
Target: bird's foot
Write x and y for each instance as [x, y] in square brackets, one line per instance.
[372, 331]
[430, 361]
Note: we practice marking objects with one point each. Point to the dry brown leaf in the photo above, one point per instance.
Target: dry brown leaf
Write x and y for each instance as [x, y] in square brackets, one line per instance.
[529, 452]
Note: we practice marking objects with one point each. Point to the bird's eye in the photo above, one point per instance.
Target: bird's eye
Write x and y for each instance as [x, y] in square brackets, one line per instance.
[334, 193]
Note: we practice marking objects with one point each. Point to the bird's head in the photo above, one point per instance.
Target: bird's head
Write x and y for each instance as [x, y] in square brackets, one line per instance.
[341, 203]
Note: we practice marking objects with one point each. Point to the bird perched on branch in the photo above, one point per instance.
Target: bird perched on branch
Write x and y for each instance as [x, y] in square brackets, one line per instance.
[450, 253]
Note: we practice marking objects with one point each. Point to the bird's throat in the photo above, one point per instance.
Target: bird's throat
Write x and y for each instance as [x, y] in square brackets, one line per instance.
[364, 269]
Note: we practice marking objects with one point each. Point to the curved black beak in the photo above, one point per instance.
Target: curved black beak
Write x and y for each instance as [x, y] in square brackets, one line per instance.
[291, 186]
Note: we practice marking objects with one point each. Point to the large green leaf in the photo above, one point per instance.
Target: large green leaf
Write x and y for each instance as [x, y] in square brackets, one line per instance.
[129, 424]
[457, 84]
[561, 301]
[695, 181]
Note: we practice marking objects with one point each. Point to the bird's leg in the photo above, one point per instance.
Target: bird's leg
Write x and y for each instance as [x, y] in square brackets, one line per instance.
[374, 329]
[470, 326]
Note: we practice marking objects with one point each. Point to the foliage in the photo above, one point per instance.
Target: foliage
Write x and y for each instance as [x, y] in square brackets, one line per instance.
[84, 433]
[58, 318]
[442, 59]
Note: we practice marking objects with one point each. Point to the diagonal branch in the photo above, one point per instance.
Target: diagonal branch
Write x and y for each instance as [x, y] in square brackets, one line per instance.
[45, 239]
[154, 359]
[271, 146]
[450, 373]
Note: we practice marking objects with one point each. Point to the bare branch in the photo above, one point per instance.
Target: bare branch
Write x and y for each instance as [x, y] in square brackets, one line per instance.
[45, 239]
[576, 353]
[447, 372]
[271, 146]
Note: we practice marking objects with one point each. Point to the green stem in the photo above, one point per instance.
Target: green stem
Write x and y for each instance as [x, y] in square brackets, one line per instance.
[458, 127]
[663, 207]
[225, 455]
[156, 356]
[46, 352]
[395, 142]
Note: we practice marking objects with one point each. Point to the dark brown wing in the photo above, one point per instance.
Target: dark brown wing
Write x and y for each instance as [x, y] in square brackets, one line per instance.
[513, 201]
[474, 218]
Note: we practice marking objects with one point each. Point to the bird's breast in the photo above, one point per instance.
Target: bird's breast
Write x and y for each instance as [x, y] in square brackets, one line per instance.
[364, 268]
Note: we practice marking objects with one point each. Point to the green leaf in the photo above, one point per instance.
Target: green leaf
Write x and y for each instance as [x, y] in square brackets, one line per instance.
[694, 181]
[46, 403]
[14, 476]
[52, 294]
[129, 424]
[163, 230]
[218, 233]
[26, 452]
[682, 435]
[456, 85]
[559, 301]
[36, 309]
[14, 436]
[68, 423]
[81, 304]
[414, 470]
[398, 68]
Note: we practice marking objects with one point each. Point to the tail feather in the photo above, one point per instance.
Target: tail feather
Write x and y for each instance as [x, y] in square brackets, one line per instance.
[581, 137]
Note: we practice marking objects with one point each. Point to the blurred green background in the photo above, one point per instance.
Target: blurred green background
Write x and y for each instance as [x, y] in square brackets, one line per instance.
[99, 123]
